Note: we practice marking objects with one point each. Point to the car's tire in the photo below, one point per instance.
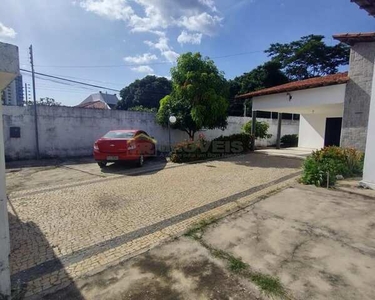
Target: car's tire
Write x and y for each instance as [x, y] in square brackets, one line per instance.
[140, 161]
[102, 164]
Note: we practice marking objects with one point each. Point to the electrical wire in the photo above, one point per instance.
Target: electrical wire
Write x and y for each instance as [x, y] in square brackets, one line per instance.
[70, 80]
[137, 65]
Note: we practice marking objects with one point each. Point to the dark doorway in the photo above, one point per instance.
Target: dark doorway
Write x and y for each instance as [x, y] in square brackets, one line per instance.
[333, 132]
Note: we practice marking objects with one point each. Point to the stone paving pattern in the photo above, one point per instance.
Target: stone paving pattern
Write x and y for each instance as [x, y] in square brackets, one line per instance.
[62, 232]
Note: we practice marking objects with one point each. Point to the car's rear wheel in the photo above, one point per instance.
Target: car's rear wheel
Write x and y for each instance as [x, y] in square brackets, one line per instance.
[141, 160]
[102, 164]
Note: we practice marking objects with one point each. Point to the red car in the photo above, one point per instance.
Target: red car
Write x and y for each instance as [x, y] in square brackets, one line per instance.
[124, 145]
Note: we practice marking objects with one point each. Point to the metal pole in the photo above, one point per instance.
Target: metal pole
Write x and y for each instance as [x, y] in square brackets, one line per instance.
[278, 140]
[26, 94]
[35, 108]
[169, 136]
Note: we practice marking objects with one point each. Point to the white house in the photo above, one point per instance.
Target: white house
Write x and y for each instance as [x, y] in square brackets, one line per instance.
[334, 109]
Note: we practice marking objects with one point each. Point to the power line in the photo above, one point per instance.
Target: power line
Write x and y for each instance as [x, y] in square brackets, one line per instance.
[148, 64]
[72, 81]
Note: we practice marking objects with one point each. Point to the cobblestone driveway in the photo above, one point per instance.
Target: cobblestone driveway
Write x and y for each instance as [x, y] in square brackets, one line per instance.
[62, 231]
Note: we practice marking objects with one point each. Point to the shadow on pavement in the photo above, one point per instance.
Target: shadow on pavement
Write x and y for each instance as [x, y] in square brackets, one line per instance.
[151, 165]
[257, 160]
[35, 269]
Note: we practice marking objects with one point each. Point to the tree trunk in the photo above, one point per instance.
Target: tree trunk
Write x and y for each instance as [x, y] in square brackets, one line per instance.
[191, 134]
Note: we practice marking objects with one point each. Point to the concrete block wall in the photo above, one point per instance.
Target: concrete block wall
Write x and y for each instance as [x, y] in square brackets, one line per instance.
[71, 132]
[358, 96]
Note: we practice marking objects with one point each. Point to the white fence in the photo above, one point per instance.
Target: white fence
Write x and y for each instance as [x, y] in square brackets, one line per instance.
[71, 132]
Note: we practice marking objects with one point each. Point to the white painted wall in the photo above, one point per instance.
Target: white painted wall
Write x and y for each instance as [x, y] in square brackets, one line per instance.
[69, 132]
[9, 69]
[322, 100]
[235, 125]
[312, 131]
[369, 167]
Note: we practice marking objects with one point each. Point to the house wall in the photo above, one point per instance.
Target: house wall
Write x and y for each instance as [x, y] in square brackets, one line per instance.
[69, 132]
[369, 166]
[235, 125]
[358, 96]
[320, 100]
[312, 131]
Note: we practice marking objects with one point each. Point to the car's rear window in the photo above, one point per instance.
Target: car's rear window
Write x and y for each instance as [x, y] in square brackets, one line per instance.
[119, 135]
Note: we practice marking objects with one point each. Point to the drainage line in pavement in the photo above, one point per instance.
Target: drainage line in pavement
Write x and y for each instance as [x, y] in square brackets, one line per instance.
[85, 253]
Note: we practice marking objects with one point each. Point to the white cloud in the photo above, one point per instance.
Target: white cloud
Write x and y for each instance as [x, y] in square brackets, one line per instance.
[143, 69]
[111, 9]
[7, 32]
[204, 23]
[141, 59]
[156, 15]
[164, 48]
[189, 38]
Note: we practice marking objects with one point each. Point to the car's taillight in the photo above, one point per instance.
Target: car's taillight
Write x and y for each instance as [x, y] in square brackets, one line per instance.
[96, 147]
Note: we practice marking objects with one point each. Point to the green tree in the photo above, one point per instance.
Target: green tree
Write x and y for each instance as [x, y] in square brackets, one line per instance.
[199, 95]
[264, 76]
[46, 101]
[309, 57]
[141, 108]
[261, 129]
[145, 92]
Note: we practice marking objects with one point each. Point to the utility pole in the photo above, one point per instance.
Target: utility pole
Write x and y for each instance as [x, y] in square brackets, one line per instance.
[34, 96]
[26, 96]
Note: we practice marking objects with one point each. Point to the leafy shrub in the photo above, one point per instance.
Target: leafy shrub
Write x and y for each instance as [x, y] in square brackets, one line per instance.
[261, 129]
[244, 139]
[141, 108]
[333, 161]
[289, 140]
[202, 149]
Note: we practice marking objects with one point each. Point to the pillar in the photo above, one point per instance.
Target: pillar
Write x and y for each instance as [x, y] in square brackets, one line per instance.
[278, 139]
[4, 226]
[253, 128]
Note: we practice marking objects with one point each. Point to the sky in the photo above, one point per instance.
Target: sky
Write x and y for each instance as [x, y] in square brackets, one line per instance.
[111, 43]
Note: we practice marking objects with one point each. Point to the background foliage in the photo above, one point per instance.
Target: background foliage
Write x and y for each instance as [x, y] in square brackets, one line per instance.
[261, 129]
[199, 95]
[146, 92]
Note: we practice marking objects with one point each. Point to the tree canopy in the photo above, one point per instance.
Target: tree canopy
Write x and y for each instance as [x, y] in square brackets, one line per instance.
[264, 76]
[145, 92]
[46, 101]
[199, 95]
[309, 57]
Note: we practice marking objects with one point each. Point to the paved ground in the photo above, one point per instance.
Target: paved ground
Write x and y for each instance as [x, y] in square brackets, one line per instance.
[296, 152]
[319, 243]
[72, 219]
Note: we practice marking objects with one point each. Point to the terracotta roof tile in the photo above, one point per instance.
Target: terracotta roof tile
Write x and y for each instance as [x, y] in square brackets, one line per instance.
[338, 78]
[354, 38]
[368, 5]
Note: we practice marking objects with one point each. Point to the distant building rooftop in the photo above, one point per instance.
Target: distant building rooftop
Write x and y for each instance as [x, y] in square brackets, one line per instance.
[338, 78]
[354, 38]
[93, 100]
[368, 5]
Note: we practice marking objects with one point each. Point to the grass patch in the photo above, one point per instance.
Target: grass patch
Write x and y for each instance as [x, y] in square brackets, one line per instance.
[269, 285]
[197, 229]
[236, 265]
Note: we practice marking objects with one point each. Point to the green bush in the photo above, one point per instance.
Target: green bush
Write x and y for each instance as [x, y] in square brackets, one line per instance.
[333, 161]
[261, 129]
[289, 140]
[202, 149]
